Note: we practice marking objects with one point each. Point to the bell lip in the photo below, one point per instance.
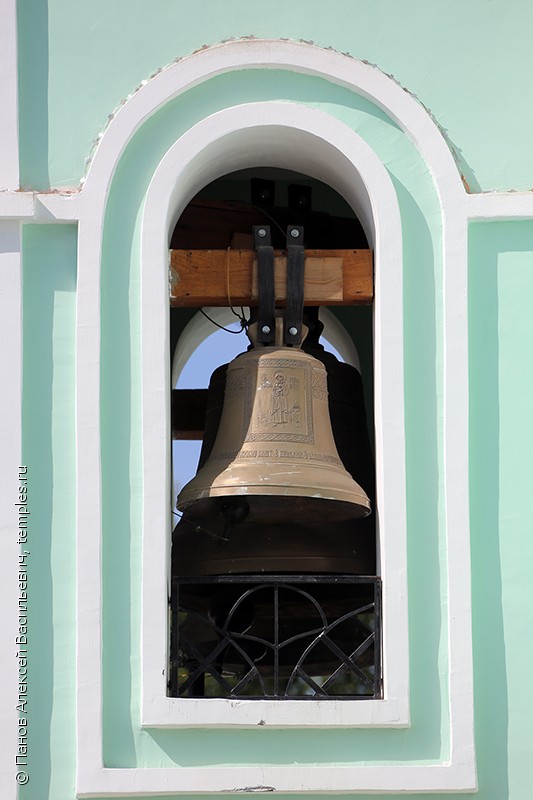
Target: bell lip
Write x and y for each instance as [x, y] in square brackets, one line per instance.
[351, 505]
[281, 567]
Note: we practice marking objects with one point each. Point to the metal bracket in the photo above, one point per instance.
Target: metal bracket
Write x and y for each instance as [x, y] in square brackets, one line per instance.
[295, 285]
[266, 319]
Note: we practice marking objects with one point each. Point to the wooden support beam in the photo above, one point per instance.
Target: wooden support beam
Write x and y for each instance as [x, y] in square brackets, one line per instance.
[332, 277]
[188, 413]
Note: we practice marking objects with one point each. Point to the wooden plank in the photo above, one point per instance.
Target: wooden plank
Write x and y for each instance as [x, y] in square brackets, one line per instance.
[188, 413]
[333, 277]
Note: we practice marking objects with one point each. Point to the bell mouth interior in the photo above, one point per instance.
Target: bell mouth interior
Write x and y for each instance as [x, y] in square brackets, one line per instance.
[271, 508]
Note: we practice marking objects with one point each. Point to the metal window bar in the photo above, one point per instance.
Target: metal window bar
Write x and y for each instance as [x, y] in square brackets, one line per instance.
[276, 637]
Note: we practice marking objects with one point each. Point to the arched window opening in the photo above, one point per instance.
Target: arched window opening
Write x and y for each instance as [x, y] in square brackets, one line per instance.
[247, 621]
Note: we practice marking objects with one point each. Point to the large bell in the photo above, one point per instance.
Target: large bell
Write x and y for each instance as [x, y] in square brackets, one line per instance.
[345, 402]
[274, 457]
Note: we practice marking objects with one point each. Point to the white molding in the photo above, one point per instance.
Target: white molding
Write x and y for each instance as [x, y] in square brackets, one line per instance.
[16, 205]
[11, 439]
[41, 208]
[9, 96]
[310, 141]
[53, 207]
[456, 485]
[499, 205]
[89, 500]
[58, 207]
[299, 57]
[301, 779]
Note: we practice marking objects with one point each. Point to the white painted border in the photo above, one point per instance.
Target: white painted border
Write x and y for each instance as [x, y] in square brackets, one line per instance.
[309, 141]
[9, 97]
[71, 206]
[301, 779]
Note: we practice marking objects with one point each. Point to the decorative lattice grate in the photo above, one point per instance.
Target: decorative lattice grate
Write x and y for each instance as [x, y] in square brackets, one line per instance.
[276, 636]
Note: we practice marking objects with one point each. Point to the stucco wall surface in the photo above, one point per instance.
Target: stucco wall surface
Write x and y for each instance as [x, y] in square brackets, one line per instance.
[77, 64]
[465, 62]
[501, 332]
[500, 256]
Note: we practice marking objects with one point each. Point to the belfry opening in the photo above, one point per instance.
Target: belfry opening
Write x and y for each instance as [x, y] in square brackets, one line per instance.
[275, 587]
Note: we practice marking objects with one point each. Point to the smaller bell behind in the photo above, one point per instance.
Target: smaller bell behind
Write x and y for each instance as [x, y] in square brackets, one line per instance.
[203, 548]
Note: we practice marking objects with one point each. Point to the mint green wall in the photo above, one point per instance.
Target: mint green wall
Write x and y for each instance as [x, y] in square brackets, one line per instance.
[49, 341]
[501, 372]
[463, 61]
[501, 440]
[88, 52]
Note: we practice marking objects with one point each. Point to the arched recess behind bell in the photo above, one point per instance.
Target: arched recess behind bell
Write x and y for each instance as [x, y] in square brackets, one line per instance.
[198, 329]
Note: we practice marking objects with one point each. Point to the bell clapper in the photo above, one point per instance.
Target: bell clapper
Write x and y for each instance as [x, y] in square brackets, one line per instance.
[232, 512]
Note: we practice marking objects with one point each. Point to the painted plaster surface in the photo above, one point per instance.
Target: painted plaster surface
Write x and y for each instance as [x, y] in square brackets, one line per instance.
[49, 280]
[501, 261]
[461, 60]
[501, 336]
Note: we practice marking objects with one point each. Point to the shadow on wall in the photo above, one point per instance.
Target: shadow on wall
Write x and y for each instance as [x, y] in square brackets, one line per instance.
[32, 21]
[48, 451]
[490, 679]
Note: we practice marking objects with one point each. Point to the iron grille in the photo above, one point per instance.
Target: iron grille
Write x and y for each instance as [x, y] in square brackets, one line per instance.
[276, 636]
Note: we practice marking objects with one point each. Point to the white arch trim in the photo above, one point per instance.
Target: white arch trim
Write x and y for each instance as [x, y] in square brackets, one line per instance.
[310, 141]
[343, 70]
[458, 773]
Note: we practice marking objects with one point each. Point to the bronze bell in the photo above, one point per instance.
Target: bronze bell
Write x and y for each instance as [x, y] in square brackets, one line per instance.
[275, 441]
[273, 469]
[200, 546]
[345, 402]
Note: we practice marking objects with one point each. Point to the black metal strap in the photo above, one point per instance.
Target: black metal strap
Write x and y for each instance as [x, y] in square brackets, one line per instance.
[266, 319]
[295, 285]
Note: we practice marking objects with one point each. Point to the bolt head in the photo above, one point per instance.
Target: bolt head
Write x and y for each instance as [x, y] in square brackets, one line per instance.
[265, 329]
[295, 233]
[293, 331]
[261, 232]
